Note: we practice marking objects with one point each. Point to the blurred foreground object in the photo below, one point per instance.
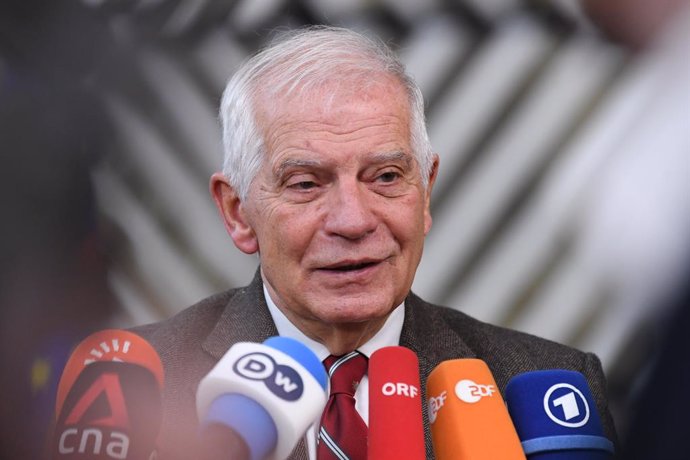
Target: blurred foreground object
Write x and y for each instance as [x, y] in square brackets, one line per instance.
[53, 288]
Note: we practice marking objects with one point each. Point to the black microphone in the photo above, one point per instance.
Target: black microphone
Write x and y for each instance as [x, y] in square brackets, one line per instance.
[113, 411]
[109, 400]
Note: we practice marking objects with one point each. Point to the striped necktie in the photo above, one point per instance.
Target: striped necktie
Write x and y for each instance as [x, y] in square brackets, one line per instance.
[343, 433]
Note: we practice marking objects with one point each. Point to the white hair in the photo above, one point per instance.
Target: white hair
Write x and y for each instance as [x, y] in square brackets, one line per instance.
[302, 60]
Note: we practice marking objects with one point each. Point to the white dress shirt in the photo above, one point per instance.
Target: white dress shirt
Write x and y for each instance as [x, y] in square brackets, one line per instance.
[388, 335]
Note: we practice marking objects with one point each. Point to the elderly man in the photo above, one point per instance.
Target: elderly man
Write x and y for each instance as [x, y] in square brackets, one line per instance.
[327, 176]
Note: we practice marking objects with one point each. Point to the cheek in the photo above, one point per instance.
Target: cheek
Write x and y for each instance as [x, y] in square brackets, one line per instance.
[427, 221]
[287, 234]
[408, 220]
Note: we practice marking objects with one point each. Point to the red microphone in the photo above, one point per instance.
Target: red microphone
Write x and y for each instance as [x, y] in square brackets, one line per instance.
[395, 406]
[108, 345]
[109, 400]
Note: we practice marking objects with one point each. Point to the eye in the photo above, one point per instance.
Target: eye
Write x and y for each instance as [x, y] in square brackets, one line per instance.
[303, 185]
[388, 176]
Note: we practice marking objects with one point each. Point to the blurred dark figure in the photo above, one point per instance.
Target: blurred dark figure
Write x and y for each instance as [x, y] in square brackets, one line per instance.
[633, 23]
[659, 427]
[53, 130]
[658, 380]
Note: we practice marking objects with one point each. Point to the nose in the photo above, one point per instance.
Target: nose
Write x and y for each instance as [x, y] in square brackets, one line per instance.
[350, 213]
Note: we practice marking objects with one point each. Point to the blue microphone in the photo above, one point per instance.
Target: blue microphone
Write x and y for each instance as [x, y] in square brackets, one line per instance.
[259, 400]
[555, 416]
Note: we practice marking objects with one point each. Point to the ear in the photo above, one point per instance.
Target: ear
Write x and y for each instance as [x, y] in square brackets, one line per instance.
[233, 214]
[427, 204]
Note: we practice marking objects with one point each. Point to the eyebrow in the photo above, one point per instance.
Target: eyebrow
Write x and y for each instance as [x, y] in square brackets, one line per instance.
[385, 157]
[397, 155]
[295, 163]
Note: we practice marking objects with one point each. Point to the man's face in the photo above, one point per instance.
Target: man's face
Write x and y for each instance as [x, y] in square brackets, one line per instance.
[338, 209]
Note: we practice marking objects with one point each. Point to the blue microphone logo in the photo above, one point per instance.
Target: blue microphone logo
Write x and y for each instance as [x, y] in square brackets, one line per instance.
[283, 381]
[566, 405]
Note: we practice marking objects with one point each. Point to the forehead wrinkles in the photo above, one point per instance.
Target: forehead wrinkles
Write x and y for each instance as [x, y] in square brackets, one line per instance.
[326, 100]
[289, 148]
[292, 125]
[294, 130]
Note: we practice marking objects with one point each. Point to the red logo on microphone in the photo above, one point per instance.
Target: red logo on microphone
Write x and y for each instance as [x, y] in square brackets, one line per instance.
[112, 411]
[83, 436]
[109, 385]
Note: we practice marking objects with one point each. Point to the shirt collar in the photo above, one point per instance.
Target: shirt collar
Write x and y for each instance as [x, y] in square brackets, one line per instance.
[388, 335]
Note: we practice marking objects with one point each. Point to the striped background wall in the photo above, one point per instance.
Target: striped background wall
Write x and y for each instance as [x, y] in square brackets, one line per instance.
[528, 107]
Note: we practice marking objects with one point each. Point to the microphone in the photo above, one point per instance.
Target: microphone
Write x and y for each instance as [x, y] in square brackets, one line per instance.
[467, 416]
[555, 416]
[265, 395]
[109, 399]
[108, 345]
[395, 405]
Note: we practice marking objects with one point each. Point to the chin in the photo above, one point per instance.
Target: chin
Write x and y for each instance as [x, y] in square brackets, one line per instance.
[354, 313]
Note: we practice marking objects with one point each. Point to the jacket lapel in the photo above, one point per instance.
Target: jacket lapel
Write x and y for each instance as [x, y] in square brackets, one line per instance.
[427, 334]
[245, 319]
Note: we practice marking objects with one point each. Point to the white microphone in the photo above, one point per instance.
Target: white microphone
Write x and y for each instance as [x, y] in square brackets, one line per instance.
[269, 394]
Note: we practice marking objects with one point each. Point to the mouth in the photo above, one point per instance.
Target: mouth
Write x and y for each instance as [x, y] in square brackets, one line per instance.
[350, 266]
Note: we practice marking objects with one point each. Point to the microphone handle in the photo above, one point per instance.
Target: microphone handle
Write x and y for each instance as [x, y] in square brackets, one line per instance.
[219, 442]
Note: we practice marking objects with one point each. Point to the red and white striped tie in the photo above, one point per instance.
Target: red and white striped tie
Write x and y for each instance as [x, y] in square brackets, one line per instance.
[343, 433]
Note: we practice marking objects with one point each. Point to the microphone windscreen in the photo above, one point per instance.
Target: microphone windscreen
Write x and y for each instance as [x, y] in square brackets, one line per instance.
[555, 416]
[395, 405]
[267, 394]
[468, 418]
[112, 410]
[108, 345]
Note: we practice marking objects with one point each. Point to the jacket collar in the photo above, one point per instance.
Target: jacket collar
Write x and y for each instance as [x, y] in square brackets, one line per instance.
[427, 334]
[245, 319]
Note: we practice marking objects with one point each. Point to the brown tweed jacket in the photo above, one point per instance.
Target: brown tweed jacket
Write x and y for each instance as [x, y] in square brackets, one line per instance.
[191, 343]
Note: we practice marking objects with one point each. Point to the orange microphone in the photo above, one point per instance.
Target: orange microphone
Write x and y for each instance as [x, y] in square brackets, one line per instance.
[468, 418]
